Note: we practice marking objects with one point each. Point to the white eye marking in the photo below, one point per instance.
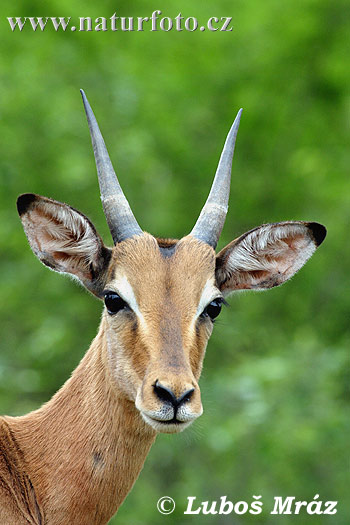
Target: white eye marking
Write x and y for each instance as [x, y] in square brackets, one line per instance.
[123, 288]
[209, 293]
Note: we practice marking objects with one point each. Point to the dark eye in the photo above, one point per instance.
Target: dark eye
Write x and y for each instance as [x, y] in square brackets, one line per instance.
[213, 309]
[114, 303]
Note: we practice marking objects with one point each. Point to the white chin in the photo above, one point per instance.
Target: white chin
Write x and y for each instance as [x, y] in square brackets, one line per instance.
[166, 428]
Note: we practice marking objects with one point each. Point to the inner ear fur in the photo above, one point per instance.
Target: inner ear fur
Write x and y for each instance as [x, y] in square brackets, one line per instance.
[64, 240]
[267, 256]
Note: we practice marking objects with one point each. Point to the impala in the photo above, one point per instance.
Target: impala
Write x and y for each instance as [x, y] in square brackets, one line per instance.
[74, 460]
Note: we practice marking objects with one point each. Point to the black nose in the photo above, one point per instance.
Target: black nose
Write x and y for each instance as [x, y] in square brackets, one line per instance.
[166, 394]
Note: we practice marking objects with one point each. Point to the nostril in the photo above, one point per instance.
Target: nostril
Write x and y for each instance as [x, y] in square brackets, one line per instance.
[164, 393]
[167, 395]
[186, 397]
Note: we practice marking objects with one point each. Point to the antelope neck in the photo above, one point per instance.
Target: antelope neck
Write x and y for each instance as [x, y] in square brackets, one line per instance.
[84, 449]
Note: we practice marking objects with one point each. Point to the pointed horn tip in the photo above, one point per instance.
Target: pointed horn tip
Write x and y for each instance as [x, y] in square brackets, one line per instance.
[238, 117]
[82, 92]
[88, 110]
[85, 100]
[232, 134]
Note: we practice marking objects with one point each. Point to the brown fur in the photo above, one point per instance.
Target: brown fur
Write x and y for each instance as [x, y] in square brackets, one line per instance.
[77, 457]
[168, 348]
[74, 460]
[79, 454]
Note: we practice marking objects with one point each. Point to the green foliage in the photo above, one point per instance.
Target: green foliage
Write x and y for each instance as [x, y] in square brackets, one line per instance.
[274, 384]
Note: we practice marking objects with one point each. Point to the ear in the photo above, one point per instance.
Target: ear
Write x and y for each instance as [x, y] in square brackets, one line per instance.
[267, 256]
[64, 240]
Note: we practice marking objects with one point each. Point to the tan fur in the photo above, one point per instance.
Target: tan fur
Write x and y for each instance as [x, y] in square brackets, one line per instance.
[167, 290]
[75, 459]
[82, 451]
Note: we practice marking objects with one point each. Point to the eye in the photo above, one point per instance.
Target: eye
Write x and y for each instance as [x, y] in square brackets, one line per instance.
[213, 309]
[114, 303]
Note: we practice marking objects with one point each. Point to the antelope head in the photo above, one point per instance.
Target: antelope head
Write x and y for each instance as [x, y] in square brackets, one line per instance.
[161, 296]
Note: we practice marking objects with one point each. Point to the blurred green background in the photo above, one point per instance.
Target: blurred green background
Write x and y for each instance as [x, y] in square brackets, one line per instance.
[274, 386]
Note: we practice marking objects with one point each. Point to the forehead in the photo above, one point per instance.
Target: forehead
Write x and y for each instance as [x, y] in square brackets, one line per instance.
[151, 266]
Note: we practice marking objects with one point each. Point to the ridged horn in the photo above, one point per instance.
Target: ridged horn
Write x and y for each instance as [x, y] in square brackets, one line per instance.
[212, 217]
[120, 219]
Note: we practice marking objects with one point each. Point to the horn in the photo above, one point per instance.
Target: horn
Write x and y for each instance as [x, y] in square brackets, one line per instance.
[212, 217]
[120, 219]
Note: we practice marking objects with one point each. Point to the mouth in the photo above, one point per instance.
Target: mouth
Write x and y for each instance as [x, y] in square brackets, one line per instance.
[173, 421]
[170, 426]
